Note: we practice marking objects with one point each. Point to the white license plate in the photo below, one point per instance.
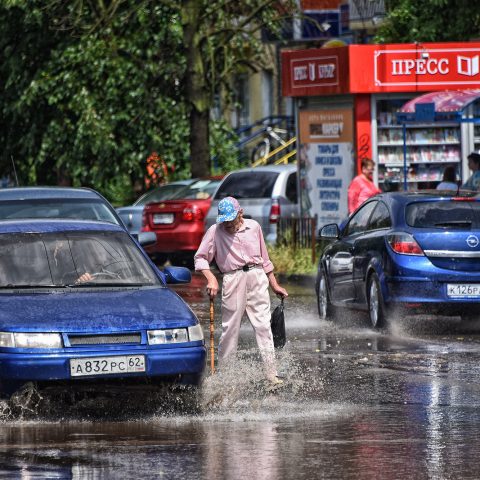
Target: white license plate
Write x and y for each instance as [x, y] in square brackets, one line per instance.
[163, 218]
[81, 367]
[463, 290]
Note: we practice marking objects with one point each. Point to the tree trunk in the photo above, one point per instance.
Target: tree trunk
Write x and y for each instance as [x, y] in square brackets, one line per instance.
[199, 145]
[196, 89]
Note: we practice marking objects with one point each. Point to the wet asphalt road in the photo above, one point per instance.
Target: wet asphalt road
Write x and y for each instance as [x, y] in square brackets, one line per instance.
[358, 404]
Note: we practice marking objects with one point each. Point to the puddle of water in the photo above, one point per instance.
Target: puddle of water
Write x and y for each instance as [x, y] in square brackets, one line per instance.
[336, 418]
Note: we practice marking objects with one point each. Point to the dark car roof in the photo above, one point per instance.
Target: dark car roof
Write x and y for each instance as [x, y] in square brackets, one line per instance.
[397, 201]
[57, 193]
[20, 193]
[427, 194]
[56, 225]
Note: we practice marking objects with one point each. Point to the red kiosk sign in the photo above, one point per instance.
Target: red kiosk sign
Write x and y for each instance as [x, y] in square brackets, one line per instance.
[448, 67]
[381, 68]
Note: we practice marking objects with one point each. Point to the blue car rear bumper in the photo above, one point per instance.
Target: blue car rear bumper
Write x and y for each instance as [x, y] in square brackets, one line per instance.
[424, 291]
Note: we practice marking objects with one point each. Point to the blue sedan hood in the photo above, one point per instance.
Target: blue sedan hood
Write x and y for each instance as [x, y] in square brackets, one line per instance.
[89, 311]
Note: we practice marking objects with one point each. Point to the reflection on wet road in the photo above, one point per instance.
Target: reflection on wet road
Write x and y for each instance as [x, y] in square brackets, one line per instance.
[358, 405]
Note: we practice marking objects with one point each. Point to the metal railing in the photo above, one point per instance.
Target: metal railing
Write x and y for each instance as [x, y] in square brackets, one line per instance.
[298, 232]
[274, 158]
[260, 140]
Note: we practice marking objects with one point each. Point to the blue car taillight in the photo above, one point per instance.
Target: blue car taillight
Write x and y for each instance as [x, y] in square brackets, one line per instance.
[404, 243]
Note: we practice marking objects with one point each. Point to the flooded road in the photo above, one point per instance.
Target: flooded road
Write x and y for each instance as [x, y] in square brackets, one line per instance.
[357, 405]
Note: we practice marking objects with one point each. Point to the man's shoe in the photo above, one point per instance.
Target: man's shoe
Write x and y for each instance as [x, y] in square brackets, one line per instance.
[276, 381]
[274, 384]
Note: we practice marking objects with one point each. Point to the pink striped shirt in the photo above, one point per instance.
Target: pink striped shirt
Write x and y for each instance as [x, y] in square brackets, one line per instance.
[233, 251]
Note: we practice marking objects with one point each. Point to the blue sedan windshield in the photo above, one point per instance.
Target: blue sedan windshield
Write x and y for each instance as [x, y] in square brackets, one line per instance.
[72, 259]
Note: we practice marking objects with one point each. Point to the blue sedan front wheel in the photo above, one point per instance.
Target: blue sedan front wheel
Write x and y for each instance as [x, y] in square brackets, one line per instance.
[326, 310]
[376, 307]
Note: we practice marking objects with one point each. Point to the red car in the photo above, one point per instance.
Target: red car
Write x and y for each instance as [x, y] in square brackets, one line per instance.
[180, 222]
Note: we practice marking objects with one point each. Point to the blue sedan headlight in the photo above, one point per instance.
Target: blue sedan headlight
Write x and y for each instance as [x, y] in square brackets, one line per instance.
[172, 335]
[175, 335]
[30, 340]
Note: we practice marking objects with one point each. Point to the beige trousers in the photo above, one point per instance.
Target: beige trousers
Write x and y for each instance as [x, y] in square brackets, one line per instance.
[247, 292]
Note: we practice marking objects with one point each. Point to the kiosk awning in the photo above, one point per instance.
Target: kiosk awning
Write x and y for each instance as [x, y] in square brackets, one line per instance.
[448, 104]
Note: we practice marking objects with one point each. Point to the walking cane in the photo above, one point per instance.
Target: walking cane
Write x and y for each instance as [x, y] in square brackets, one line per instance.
[212, 343]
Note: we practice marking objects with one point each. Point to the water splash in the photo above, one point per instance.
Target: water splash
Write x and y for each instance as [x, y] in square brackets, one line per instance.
[240, 385]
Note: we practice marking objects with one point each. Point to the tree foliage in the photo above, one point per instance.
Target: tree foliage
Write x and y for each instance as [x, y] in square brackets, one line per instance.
[90, 107]
[430, 21]
[92, 87]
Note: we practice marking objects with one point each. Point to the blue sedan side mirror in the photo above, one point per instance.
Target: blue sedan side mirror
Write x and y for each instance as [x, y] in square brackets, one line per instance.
[330, 231]
[177, 275]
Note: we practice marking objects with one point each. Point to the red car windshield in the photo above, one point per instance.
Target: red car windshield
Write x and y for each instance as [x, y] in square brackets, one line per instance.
[200, 190]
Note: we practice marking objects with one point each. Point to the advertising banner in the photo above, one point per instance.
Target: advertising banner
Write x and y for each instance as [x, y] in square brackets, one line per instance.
[381, 68]
[417, 67]
[315, 71]
[325, 163]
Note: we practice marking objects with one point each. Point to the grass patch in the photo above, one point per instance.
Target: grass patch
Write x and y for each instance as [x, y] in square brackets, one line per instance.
[290, 261]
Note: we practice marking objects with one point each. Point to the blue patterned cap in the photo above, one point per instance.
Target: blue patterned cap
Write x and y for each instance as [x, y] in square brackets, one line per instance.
[228, 209]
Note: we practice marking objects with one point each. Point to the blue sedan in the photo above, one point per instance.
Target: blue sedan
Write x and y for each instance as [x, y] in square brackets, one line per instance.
[404, 253]
[80, 301]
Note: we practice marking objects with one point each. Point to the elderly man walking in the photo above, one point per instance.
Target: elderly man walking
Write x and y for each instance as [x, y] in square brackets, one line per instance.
[238, 248]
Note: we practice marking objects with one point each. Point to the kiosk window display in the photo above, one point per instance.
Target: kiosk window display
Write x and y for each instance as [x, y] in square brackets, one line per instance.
[430, 148]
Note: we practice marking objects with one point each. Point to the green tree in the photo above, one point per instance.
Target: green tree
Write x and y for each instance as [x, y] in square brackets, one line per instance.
[219, 38]
[88, 107]
[430, 21]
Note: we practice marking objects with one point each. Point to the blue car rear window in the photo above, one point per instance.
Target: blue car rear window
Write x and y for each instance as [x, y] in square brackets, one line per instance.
[443, 214]
[248, 185]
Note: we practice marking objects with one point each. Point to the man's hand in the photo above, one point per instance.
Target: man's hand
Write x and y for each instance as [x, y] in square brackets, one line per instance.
[280, 291]
[212, 283]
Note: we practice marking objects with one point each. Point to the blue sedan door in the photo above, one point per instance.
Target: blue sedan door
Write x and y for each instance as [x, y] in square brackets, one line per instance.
[369, 248]
[341, 256]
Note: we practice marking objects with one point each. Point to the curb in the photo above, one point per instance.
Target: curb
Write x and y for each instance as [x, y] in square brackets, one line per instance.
[304, 280]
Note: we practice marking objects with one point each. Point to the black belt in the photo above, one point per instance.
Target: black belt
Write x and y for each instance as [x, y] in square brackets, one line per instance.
[247, 267]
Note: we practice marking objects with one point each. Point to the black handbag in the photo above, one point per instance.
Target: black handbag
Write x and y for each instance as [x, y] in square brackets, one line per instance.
[277, 323]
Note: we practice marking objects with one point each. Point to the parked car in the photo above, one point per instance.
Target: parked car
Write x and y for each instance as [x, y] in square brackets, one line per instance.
[61, 202]
[404, 253]
[123, 325]
[56, 202]
[132, 215]
[179, 223]
[265, 194]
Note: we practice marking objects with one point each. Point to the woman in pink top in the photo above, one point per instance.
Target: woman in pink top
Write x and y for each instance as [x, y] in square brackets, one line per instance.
[362, 186]
[238, 248]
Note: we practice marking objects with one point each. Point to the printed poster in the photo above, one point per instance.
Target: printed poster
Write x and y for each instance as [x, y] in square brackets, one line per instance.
[326, 165]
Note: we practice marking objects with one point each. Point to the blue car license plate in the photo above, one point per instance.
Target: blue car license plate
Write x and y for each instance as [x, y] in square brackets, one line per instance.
[82, 367]
[463, 290]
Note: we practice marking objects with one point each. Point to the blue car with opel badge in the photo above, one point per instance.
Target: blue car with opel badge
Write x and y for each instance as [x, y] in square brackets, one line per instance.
[404, 253]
